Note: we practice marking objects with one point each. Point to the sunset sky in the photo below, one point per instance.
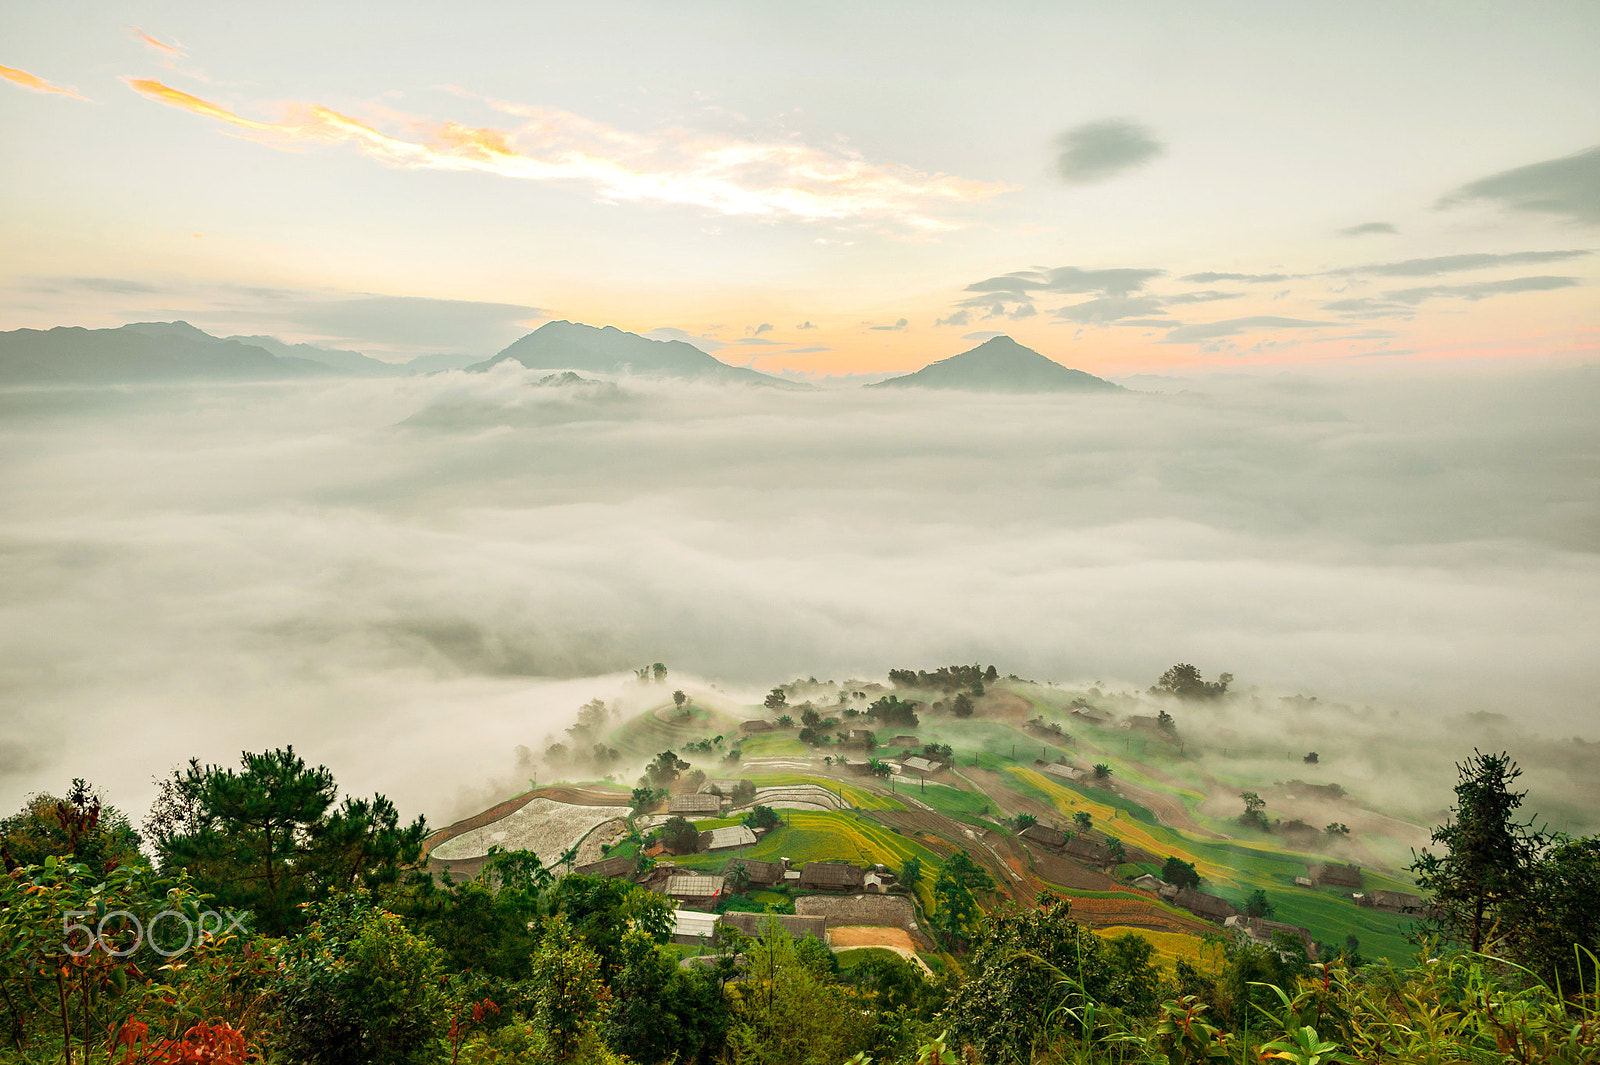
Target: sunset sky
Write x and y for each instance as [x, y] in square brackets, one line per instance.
[819, 188]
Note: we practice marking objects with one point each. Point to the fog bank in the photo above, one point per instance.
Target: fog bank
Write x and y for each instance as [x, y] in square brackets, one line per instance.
[407, 577]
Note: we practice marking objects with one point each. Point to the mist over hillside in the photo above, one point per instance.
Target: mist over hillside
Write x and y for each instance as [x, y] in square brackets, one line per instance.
[405, 577]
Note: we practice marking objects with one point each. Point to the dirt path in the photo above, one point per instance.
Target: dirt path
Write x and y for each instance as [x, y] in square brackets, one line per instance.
[895, 939]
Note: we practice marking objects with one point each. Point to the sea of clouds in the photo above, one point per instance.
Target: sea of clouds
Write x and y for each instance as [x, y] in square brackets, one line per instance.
[405, 578]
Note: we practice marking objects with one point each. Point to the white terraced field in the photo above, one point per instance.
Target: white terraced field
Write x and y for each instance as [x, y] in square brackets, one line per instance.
[794, 797]
[543, 826]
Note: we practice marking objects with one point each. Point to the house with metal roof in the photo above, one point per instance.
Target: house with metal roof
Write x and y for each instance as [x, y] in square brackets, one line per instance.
[1062, 772]
[695, 805]
[693, 890]
[721, 839]
[832, 876]
[919, 764]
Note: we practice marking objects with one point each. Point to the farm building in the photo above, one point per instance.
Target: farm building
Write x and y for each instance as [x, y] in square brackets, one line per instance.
[1045, 836]
[1087, 851]
[832, 876]
[1395, 902]
[923, 765]
[755, 725]
[858, 736]
[1091, 715]
[756, 924]
[762, 874]
[692, 890]
[904, 741]
[695, 805]
[1202, 905]
[610, 868]
[730, 787]
[1260, 930]
[721, 839]
[1338, 875]
[691, 927]
[1063, 772]
[1149, 882]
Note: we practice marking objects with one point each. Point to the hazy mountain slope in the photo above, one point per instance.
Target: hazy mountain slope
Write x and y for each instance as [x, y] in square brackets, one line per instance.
[143, 351]
[350, 362]
[574, 346]
[1000, 364]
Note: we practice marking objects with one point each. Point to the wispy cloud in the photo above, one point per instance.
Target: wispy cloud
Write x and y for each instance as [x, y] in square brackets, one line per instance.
[1481, 290]
[1096, 151]
[896, 327]
[756, 179]
[1368, 228]
[1190, 334]
[1448, 264]
[1211, 276]
[36, 83]
[167, 52]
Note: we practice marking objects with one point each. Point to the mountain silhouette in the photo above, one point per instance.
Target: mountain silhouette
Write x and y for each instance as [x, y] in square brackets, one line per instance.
[607, 349]
[1000, 364]
[141, 351]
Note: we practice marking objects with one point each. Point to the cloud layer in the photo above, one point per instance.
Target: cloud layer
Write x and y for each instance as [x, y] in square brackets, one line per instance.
[775, 179]
[1097, 151]
[389, 573]
[1568, 187]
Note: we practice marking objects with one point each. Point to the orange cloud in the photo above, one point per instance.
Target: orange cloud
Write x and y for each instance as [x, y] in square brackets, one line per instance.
[727, 176]
[168, 51]
[37, 84]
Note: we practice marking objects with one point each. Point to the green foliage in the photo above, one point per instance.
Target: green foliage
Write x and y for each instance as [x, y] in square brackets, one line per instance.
[1184, 681]
[763, 818]
[963, 706]
[269, 838]
[892, 713]
[679, 836]
[1257, 904]
[955, 905]
[79, 827]
[789, 1011]
[361, 986]
[1179, 872]
[776, 699]
[1487, 865]
[570, 997]
[1556, 923]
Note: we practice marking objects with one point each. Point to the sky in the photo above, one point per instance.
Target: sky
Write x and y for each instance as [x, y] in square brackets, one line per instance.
[821, 189]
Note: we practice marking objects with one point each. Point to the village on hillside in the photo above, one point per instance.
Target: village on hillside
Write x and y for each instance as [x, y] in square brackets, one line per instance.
[872, 815]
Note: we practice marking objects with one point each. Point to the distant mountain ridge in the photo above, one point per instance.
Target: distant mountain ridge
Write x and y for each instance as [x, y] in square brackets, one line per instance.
[574, 346]
[1000, 364]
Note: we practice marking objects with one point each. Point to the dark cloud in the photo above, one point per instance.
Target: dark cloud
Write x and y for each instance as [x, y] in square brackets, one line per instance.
[1448, 264]
[1097, 151]
[1110, 309]
[1211, 276]
[1568, 187]
[1368, 227]
[1481, 290]
[1190, 334]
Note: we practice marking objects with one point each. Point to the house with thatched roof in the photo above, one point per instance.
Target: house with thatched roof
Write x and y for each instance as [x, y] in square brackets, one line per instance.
[1045, 836]
[793, 925]
[1149, 882]
[1345, 876]
[925, 766]
[695, 805]
[1202, 905]
[832, 876]
[1087, 851]
[1091, 715]
[1259, 930]
[1071, 774]
[762, 874]
[610, 868]
[722, 839]
[904, 741]
[1395, 902]
[729, 787]
[755, 724]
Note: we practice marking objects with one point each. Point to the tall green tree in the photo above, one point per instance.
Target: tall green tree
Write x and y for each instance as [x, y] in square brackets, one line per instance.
[79, 827]
[1486, 870]
[273, 835]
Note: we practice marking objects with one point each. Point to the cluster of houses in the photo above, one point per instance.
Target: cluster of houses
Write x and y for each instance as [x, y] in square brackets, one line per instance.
[699, 890]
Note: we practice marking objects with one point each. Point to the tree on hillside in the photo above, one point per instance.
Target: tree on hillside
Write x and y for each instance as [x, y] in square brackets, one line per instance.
[911, 873]
[956, 909]
[763, 818]
[1165, 722]
[1023, 821]
[775, 700]
[270, 836]
[1102, 772]
[658, 673]
[991, 674]
[1486, 869]
[1184, 681]
[679, 836]
[890, 711]
[1253, 806]
[664, 770]
[963, 705]
[678, 698]
[1337, 830]
[1179, 872]
[1119, 853]
[1312, 758]
[79, 827]
[1257, 904]
[880, 769]
[1083, 819]
[1558, 914]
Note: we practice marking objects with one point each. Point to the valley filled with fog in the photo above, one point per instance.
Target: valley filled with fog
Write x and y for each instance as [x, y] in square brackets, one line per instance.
[407, 577]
